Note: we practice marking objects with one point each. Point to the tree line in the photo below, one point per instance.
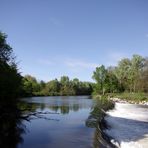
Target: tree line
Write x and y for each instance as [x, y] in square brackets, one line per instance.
[55, 87]
[14, 85]
[130, 75]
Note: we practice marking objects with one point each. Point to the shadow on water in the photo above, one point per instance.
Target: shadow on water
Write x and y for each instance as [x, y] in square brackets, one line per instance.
[11, 127]
[96, 120]
[110, 130]
[12, 116]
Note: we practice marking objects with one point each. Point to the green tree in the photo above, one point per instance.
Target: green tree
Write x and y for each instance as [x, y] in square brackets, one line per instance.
[34, 83]
[100, 76]
[111, 81]
[122, 72]
[6, 52]
[137, 63]
[53, 87]
[66, 86]
[128, 72]
[10, 78]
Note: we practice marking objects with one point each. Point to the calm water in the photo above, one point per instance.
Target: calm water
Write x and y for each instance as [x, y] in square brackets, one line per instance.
[65, 129]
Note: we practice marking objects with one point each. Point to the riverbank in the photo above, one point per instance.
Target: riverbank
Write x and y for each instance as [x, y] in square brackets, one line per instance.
[123, 116]
[118, 100]
[132, 98]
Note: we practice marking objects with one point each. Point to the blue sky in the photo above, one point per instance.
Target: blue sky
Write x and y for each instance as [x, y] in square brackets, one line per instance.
[52, 38]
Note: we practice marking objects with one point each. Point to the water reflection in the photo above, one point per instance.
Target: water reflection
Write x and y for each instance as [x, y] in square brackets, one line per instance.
[12, 116]
[71, 129]
[62, 104]
[96, 120]
[10, 126]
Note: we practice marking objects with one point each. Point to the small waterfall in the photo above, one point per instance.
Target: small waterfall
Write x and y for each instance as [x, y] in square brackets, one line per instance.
[128, 125]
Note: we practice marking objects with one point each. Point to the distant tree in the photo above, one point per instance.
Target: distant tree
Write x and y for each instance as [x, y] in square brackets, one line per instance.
[31, 85]
[42, 84]
[53, 87]
[64, 80]
[27, 89]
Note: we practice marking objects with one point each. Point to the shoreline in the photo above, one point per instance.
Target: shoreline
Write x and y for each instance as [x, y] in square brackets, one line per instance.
[103, 125]
[118, 100]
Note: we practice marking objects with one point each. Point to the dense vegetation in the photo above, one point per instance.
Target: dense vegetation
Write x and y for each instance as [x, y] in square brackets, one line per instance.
[13, 85]
[128, 80]
[54, 87]
[10, 78]
[130, 75]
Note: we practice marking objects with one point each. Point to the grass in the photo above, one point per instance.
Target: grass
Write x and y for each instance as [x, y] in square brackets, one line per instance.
[102, 104]
[131, 97]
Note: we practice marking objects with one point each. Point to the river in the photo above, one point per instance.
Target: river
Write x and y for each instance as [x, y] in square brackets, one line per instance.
[72, 122]
[64, 129]
[128, 125]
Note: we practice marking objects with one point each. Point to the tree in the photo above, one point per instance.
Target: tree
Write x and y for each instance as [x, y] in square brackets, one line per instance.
[137, 63]
[99, 76]
[53, 87]
[128, 72]
[122, 72]
[142, 84]
[111, 82]
[6, 52]
[31, 86]
[10, 78]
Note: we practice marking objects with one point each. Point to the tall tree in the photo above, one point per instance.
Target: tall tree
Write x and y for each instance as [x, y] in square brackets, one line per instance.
[99, 76]
[137, 63]
[10, 78]
[6, 52]
[53, 87]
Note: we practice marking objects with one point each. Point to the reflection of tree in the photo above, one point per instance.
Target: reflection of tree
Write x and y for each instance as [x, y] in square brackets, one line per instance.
[42, 106]
[65, 108]
[76, 107]
[54, 108]
[10, 126]
[12, 116]
[96, 120]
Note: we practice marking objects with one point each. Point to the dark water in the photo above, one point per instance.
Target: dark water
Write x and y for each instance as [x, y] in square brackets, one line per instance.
[65, 129]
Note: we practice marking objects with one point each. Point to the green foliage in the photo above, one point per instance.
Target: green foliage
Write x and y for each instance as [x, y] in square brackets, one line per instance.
[106, 80]
[130, 75]
[133, 97]
[102, 104]
[10, 79]
[6, 52]
[63, 87]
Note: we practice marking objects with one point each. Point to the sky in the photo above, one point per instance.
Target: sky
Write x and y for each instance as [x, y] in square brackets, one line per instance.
[52, 38]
